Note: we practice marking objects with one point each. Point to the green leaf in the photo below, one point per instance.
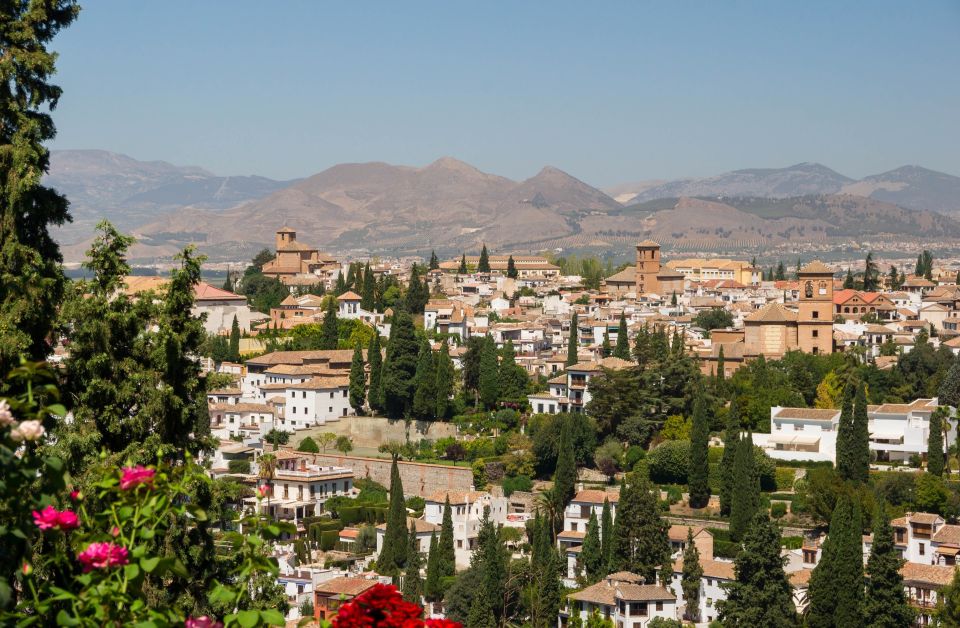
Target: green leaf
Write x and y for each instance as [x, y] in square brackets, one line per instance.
[248, 619]
[57, 410]
[273, 617]
[146, 534]
[63, 619]
[125, 512]
[149, 564]
[131, 571]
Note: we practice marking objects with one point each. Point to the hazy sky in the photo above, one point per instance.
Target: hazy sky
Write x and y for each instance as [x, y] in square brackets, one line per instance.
[608, 91]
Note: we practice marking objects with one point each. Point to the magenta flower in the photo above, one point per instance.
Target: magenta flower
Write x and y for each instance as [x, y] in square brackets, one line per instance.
[202, 622]
[102, 556]
[52, 519]
[132, 477]
[263, 491]
[75, 495]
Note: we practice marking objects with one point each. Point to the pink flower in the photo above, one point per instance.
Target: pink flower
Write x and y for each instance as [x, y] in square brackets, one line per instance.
[75, 495]
[27, 430]
[132, 477]
[114, 531]
[6, 418]
[102, 556]
[263, 491]
[52, 519]
[27, 569]
[202, 622]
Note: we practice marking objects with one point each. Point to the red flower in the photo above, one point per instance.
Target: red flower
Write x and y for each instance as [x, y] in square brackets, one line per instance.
[75, 495]
[52, 519]
[132, 477]
[383, 606]
[442, 623]
[102, 556]
[202, 622]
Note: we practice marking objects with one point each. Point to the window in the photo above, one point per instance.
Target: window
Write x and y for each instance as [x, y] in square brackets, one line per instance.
[659, 606]
[816, 314]
[816, 332]
[573, 526]
[460, 543]
[330, 410]
[294, 409]
[331, 394]
[923, 550]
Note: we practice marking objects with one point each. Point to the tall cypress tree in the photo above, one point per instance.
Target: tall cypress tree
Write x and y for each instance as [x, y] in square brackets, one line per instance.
[546, 566]
[393, 555]
[489, 374]
[491, 559]
[745, 496]
[400, 367]
[606, 349]
[329, 327]
[512, 268]
[235, 340]
[606, 537]
[721, 371]
[935, 456]
[836, 585]
[690, 578]
[448, 557]
[444, 386]
[949, 392]
[591, 554]
[434, 262]
[698, 473]
[861, 437]
[845, 436]
[375, 360]
[885, 603]
[761, 595]
[622, 348]
[731, 440]
[565, 476]
[358, 380]
[462, 269]
[368, 295]
[512, 377]
[412, 582]
[425, 380]
[640, 541]
[432, 589]
[573, 342]
[483, 266]
[418, 293]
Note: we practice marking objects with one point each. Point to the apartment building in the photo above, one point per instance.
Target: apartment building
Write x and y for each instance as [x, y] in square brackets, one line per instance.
[570, 392]
[622, 598]
[466, 508]
[300, 487]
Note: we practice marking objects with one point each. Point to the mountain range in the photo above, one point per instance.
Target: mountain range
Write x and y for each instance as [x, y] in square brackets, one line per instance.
[451, 206]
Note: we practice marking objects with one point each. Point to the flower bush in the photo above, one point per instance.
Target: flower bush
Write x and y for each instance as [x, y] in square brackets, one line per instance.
[383, 606]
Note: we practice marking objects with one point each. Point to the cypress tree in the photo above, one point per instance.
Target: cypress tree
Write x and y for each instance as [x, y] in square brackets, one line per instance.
[949, 392]
[400, 367]
[565, 476]
[844, 454]
[591, 554]
[351, 276]
[836, 584]
[935, 456]
[462, 269]
[329, 328]
[418, 294]
[640, 541]
[745, 495]
[340, 286]
[483, 266]
[412, 582]
[721, 371]
[885, 603]
[425, 381]
[761, 595]
[572, 344]
[227, 283]
[489, 374]
[731, 440]
[448, 556]
[235, 340]
[606, 537]
[690, 578]
[948, 605]
[393, 556]
[546, 566]
[434, 262]
[861, 437]
[512, 378]
[368, 295]
[358, 380]
[444, 385]
[375, 360]
[698, 473]
[512, 268]
[481, 611]
[622, 348]
[432, 589]
[605, 348]
[491, 559]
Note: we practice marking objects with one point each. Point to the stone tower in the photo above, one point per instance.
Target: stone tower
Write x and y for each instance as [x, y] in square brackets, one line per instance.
[648, 267]
[815, 318]
[285, 236]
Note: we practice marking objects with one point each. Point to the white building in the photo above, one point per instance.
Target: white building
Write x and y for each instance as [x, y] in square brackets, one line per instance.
[466, 509]
[717, 574]
[622, 598]
[424, 530]
[300, 487]
[570, 392]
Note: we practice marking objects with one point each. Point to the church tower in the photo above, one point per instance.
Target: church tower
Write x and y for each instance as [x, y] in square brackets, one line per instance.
[815, 319]
[648, 267]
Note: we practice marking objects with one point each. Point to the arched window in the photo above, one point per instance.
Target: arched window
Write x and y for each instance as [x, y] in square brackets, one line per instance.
[808, 289]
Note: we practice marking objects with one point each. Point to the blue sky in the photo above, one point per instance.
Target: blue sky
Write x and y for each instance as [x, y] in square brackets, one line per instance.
[608, 91]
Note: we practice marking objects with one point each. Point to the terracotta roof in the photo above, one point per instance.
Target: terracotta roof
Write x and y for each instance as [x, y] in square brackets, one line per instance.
[205, 292]
[800, 578]
[649, 243]
[349, 295]
[609, 363]
[711, 568]
[576, 535]
[344, 586]
[816, 267]
[609, 590]
[322, 383]
[773, 313]
[678, 532]
[421, 526]
[242, 407]
[948, 534]
[591, 496]
[456, 497]
[559, 379]
[925, 518]
[936, 575]
[627, 275]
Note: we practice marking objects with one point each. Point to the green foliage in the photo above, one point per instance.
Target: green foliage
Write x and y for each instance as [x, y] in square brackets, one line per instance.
[516, 483]
[949, 391]
[447, 556]
[239, 465]
[745, 493]
[489, 384]
[714, 318]
[885, 602]
[591, 555]
[931, 494]
[393, 556]
[698, 471]
[262, 292]
[669, 463]
[622, 348]
[565, 476]
[948, 602]
[731, 440]
[358, 380]
[572, 341]
[544, 431]
[676, 427]
[444, 382]
[425, 382]
[836, 585]
[935, 455]
[375, 362]
[483, 266]
[690, 578]
[640, 541]
[400, 366]
[412, 582]
[309, 445]
[512, 268]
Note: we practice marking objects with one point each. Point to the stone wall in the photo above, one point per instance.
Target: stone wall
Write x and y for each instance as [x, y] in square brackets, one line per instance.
[372, 431]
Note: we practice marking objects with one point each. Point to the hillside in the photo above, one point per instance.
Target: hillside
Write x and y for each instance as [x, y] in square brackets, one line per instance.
[913, 187]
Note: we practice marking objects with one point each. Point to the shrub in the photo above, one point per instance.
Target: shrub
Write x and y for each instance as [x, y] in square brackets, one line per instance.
[518, 483]
[668, 463]
[634, 454]
[370, 491]
[416, 504]
[328, 540]
[479, 474]
[778, 510]
[714, 454]
[239, 465]
[792, 542]
[784, 477]
[725, 549]
[308, 445]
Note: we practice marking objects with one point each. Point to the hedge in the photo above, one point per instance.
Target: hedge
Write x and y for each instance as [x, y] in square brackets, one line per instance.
[352, 515]
[725, 549]
[328, 540]
[668, 464]
[806, 464]
[784, 478]
[792, 542]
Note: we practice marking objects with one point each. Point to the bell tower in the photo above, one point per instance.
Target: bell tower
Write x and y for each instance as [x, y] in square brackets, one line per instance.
[648, 267]
[815, 318]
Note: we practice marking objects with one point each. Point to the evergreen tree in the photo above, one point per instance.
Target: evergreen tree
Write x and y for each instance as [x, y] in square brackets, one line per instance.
[444, 384]
[512, 377]
[861, 437]
[425, 381]
[640, 541]
[234, 349]
[572, 344]
[434, 262]
[512, 268]
[227, 283]
[393, 556]
[622, 348]
[643, 349]
[871, 274]
[948, 602]
[489, 374]
[432, 589]
[935, 455]
[893, 278]
[845, 435]
[341, 285]
[565, 476]
[731, 439]
[836, 584]
[462, 269]
[698, 473]
[721, 371]
[368, 295]
[481, 611]
[412, 582]
[351, 277]
[591, 554]
[761, 595]
[543, 592]
[400, 367]
[448, 557]
[418, 293]
[358, 380]
[605, 348]
[491, 559]
[606, 537]
[375, 361]
[32, 284]
[781, 273]
[690, 578]
[885, 603]
[483, 266]
[745, 494]
[848, 281]
[329, 327]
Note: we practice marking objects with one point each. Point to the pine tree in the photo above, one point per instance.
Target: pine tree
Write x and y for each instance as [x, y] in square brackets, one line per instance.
[425, 382]
[572, 343]
[836, 584]
[690, 578]
[489, 374]
[234, 341]
[512, 268]
[375, 361]
[462, 269]
[848, 281]
[606, 537]
[393, 556]
[949, 392]
[591, 554]
[885, 603]
[483, 266]
[745, 494]
[341, 285]
[368, 295]
[434, 262]
[935, 455]
[432, 588]
[640, 541]
[605, 348]
[845, 436]
[444, 383]
[418, 294]
[32, 284]
[358, 380]
[412, 582]
[448, 557]
[761, 595]
[622, 348]
[400, 367]
[731, 439]
[329, 327]
[698, 473]
[565, 476]
[861, 437]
